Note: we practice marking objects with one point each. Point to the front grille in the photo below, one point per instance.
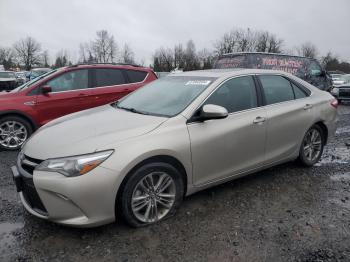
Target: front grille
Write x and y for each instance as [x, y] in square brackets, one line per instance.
[29, 164]
[7, 85]
[344, 92]
[31, 195]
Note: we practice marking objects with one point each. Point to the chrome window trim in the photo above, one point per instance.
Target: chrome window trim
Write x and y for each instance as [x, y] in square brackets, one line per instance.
[254, 108]
[98, 87]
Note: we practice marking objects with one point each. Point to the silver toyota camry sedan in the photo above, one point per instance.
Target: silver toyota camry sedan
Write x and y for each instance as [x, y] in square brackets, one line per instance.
[140, 156]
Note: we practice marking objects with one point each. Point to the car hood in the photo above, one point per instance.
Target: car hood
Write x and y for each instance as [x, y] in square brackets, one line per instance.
[88, 131]
[7, 79]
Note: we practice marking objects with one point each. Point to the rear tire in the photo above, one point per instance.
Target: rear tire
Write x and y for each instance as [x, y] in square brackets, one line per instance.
[311, 148]
[151, 194]
[14, 131]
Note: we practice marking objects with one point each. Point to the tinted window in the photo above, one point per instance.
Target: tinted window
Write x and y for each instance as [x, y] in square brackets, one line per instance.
[298, 92]
[72, 80]
[108, 77]
[276, 88]
[136, 76]
[235, 95]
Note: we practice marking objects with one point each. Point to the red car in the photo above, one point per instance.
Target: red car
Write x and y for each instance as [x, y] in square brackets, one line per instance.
[61, 92]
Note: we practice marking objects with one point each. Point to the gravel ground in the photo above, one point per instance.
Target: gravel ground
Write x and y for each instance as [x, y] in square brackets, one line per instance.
[285, 213]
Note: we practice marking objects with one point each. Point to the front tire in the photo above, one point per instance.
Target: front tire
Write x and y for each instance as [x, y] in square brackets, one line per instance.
[151, 194]
[311, 148]
[14, 131]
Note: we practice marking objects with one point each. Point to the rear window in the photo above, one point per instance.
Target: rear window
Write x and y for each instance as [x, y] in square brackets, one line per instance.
[108, 77]
[277, 89]
[136, 76]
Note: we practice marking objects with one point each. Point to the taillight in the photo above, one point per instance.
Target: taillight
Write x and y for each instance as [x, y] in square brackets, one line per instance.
[334, 103]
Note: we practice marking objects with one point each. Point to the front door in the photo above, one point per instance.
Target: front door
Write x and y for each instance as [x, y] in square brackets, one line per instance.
[70, 93]
[225, 147]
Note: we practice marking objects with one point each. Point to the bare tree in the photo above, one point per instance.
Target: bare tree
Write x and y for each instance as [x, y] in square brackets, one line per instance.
[179, 56]
[28, 52]
[45, 58]
[267, 42]
[247, 40]
[206, 59]
[227, 44]
[127, 55]
[307, 49]
[7, 57]
[104, 48]
[191, 59]
[62, 59]
[163, 60]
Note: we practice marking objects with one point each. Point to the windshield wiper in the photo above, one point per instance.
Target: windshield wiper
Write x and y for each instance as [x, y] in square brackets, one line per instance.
[133, 110]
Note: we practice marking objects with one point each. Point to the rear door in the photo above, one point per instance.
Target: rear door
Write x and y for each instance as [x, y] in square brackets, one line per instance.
[109, 85]
[289, 114]
[70, 93]
[225, 147]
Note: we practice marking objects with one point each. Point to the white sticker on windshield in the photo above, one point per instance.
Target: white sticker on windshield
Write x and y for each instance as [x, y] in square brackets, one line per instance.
[198, 83]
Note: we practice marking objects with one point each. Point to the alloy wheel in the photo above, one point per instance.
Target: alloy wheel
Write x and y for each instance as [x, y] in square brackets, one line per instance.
[153, 197]
[12, 134]
[312, 145]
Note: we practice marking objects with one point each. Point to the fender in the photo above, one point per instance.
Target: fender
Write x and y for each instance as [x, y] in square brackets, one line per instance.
[22, 114]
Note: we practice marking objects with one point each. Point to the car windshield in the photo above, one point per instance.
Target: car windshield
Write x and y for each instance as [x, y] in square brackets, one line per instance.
[345, 78]
[7, 75]
[30, 83]
[167, 96]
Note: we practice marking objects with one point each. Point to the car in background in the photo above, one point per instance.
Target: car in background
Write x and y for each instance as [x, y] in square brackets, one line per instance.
[2, 68]
[178, 135]
[341, 89]
[21, 77]
[61, 92]
[8, 81]
[34, 73]
[341, 80]
[305, 68]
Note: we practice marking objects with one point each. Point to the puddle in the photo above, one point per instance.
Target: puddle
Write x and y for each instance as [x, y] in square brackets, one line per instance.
[339, 155]
[7, 239]
[341, 130]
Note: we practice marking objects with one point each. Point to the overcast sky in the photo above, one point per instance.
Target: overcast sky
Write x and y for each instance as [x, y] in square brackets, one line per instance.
[147, 25]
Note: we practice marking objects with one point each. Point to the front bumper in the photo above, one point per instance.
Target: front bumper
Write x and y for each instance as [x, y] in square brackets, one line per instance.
[84, 201]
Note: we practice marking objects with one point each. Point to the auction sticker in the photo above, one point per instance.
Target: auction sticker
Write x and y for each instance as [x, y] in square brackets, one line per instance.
[198, 83]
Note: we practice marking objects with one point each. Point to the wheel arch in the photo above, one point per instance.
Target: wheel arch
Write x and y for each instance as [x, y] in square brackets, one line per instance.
[324, 129]
[19, 114]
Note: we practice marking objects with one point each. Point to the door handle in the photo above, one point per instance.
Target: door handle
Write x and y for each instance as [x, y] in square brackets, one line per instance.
[259, 120]
[307, 106]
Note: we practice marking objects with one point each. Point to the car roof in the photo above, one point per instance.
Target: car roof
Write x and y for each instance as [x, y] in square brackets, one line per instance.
[217, 73]
[110, 65]
[265, 53]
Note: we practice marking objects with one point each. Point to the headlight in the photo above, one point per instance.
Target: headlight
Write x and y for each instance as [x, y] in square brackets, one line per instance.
[75, 165]
[335, 90]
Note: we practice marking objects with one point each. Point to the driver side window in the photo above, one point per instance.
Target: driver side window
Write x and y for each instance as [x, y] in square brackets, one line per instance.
[72, 80]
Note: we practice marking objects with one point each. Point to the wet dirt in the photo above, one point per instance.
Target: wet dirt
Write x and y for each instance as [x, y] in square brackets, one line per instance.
[285, 213]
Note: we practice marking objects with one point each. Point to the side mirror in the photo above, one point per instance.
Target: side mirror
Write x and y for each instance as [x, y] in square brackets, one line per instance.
[46, 89]
[210, 111]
